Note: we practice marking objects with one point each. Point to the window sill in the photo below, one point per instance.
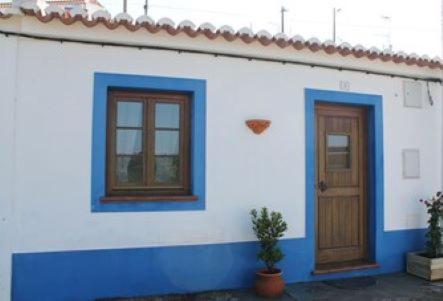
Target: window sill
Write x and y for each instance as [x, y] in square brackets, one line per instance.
[163, 198]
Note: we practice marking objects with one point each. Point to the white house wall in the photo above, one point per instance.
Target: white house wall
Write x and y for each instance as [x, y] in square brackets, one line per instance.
[8, 51]
[46, 126]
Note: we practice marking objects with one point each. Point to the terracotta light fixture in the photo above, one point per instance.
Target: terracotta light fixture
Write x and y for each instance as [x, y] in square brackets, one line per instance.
[257, 126]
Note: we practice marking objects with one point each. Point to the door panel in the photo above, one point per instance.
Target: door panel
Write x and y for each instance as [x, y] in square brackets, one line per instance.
[338, 223]
[341, 184]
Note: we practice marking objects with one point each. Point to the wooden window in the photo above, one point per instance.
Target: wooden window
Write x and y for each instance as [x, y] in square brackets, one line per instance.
[148, 145]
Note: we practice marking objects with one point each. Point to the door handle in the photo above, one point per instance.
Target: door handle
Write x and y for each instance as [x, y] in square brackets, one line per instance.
[322, 186]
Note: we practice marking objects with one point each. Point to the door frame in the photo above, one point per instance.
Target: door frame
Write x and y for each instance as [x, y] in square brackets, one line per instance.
[375, 190]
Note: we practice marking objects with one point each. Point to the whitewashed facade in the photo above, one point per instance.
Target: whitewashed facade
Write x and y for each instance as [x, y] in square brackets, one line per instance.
[46, 129]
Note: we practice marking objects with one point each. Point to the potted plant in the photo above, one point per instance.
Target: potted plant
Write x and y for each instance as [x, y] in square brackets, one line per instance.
[429, 264]
[269, 227]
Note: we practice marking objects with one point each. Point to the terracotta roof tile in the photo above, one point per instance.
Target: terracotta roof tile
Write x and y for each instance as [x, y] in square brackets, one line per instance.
[209, 31]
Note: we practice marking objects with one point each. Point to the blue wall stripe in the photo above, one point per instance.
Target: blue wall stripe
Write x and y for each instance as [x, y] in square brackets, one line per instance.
[197, 88]
[86, 275]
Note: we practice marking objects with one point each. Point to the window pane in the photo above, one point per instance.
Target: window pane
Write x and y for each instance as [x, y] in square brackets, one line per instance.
[167, 115]
[167, 169]
[129, 142]
[129, 170]
[167, 142]
[338, 152]
[129, 114]
[338, 142]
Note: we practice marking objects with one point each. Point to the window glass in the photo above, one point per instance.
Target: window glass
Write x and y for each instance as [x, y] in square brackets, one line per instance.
[167, 115]
[166, 142]
[129, 170]
[129, 114]
[167, 169]
[338, 151]
[129, 142]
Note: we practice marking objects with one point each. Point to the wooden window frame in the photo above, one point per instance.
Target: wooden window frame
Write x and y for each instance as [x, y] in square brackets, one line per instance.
[149, 191]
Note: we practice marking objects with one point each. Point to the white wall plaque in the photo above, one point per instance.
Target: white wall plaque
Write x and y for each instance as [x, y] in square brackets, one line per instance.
[411, 164]
[412, 94]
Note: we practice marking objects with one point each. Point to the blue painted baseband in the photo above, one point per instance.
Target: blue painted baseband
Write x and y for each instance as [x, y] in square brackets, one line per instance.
[87, 275]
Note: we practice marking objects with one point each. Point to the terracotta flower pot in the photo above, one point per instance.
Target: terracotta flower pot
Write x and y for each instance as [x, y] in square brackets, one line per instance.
[269, 285]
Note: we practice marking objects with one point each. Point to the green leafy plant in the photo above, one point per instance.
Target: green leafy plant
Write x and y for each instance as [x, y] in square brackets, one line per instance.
[269, 227]
[435, 210]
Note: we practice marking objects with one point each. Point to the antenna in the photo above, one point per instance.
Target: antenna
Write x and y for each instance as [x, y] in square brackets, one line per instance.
[283, 10]
[387, 19]
[125, 6]
[334, 23]
[145, 7]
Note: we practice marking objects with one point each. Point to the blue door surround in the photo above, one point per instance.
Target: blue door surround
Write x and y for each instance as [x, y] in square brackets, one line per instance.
[91, 274]
[373, 103]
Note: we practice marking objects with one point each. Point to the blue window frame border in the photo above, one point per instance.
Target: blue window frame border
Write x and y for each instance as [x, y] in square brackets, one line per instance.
[197, 89]
[375, 163]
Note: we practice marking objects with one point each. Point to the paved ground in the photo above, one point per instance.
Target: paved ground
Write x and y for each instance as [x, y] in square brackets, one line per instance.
[393, 287]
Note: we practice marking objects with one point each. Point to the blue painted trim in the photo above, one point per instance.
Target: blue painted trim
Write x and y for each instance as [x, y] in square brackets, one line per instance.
[375, 162]
[197, 88]
[87, 275]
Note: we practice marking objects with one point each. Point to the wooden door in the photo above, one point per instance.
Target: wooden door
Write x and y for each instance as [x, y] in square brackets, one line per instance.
[341, 217]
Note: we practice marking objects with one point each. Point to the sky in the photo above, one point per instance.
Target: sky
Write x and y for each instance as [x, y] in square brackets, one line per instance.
[406, 25]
